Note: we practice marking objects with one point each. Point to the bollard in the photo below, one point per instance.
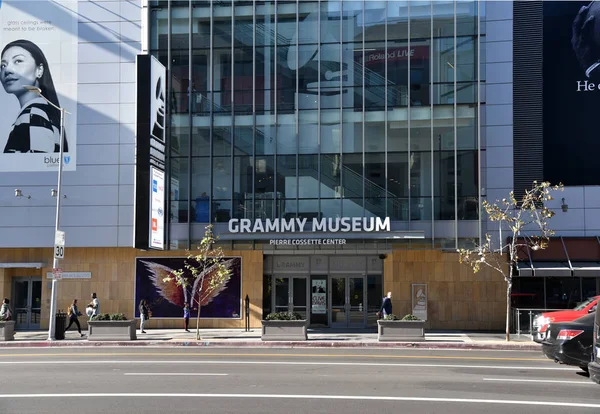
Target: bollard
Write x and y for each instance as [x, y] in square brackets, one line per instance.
[247, 313]
[531, 323]
[518, 322]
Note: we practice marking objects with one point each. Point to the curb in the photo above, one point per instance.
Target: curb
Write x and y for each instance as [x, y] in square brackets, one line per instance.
[271, 344]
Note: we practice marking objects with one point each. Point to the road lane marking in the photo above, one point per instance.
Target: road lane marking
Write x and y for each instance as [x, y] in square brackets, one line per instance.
[174, 374]
[163, 354]
[544, 403]
[540, 380]
[552, 367]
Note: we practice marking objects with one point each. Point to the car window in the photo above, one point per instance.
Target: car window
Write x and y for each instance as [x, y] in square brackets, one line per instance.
[583, 304]
[587, 319]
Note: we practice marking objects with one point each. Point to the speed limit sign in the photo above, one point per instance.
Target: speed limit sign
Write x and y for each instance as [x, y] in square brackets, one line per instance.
[59, 245]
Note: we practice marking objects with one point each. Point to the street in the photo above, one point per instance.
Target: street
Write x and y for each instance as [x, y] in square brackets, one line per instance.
[259, 380]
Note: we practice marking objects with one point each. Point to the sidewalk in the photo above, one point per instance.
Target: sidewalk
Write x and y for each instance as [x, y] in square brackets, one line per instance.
[317, 338]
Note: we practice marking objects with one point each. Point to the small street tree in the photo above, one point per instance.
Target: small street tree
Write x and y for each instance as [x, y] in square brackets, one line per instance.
[527, 224]
[209, 274]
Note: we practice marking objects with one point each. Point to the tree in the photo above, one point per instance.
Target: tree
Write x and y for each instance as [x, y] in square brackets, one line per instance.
[527, 224]
[209, 273]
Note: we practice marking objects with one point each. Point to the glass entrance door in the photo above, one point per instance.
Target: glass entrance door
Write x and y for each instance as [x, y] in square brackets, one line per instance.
[27, 294]
[348, 307]
[291, 294]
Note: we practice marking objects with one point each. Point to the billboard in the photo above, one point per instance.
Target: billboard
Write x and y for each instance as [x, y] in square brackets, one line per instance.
[571, 92]
[166, 299]
[39, 42]
[150, 177]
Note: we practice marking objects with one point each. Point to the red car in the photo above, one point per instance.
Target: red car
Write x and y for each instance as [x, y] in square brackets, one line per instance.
[540, 323]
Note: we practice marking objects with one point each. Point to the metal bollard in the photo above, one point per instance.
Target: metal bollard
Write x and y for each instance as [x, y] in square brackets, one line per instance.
[518, 322]
[531, 323]
[247, 313]
[61, 324]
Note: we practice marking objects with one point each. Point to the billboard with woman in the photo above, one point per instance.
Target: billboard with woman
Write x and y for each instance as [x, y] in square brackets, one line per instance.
[38, 73]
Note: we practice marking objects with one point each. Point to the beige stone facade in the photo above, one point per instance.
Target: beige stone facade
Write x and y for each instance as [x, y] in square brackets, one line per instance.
[457, 298]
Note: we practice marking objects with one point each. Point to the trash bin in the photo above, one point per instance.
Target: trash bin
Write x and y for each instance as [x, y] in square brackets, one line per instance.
[61, 324]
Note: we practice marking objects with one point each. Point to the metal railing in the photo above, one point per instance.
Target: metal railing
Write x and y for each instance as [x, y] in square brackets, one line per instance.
[523, 318]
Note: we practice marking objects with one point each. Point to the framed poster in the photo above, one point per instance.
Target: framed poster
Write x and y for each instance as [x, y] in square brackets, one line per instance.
[419, 300]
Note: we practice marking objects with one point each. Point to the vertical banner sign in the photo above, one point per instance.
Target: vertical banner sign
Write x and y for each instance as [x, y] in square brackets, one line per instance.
[319, 297]
[150, 177]
[39, 49]
[419, 300]
[157, 207]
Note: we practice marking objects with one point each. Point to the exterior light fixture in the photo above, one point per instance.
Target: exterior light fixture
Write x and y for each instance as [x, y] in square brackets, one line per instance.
[565, 207]
[19, 193]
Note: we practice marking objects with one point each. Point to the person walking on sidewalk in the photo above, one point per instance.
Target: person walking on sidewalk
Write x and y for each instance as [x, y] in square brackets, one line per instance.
[386, 305]
[144, 313]
[95, 306]
[74, 315]
[5, 310]
[186, 316]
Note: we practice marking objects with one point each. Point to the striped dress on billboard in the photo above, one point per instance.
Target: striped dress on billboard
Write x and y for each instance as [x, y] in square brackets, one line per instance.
[33, 131]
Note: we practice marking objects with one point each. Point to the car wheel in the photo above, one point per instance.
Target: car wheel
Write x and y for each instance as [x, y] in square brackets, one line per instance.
[585, 368]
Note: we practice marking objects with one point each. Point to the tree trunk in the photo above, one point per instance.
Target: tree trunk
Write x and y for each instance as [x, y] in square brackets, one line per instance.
[508, 292]
[198, 323]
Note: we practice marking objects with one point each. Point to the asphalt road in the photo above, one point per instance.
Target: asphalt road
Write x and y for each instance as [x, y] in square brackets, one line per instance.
[288, 381]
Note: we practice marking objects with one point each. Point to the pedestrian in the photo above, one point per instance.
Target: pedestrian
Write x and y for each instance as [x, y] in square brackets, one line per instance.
[74, 315]
[386, 305]
[94, 305]
[144, 314]
[186, 316]
[5, 312]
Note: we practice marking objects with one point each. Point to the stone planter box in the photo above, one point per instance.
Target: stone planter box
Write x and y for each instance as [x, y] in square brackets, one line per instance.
[112, 330]
[284, 331]
[7, 330]
[400, 331]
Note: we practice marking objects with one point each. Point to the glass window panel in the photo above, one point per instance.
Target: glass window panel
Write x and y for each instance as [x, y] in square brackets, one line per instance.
[288, 208]
[420, 208]
[221, 211]
[308, 129]
[308, 174]
[420, 173]
[330, 175]
[420, 136]
[375, 207]
[443, 18]
[353, 207]
[201, 25]
[221, 177]
[180, 175]
[264, 171]
[374, 132]
[265, 134]
[180, 137]
[331, 208]
[465, 59]
[330, 131]
[308, 208]
[397, 131]
[375, 175]
[466, 133]
[443, 60]
[397, 67]
[308, 12]
[372, 21]
[467, 173]
[466, 17]
[244, 135]
[180, 80]
[397, 209]
[352, 57]
[330, 21]
[243, 29]
[419, 73]
[159, 28]
[222, 24]
[352, 175]
[287, 183]
[265, 19]
[221, 136]
[242, 186]
[287, 140]
[398, 174]
[351, 131]
[350, 29]
[420, 19]
[201, 189]
[265, 76]
[397, 18]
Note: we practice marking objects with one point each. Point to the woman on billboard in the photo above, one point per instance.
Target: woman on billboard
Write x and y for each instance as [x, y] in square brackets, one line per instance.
[37, 127]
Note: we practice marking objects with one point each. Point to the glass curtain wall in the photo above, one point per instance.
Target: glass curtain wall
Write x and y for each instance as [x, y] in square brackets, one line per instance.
[322, 108]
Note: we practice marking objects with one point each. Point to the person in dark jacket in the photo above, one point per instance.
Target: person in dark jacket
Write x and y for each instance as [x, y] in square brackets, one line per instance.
[74, 315]
[386, 305]
[144, 312]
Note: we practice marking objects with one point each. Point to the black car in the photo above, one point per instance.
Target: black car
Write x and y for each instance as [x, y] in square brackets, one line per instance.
[594, 366]
[570, 342]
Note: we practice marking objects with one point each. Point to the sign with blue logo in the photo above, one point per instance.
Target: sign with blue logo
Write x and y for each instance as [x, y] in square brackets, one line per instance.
[154, 186]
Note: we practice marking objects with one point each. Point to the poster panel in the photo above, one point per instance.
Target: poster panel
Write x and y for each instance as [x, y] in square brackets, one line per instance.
[157, 208]
[166, 299]
[39, 48]
[419, 300]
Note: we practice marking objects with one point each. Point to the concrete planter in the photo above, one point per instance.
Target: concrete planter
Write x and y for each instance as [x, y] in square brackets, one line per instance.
[284, 331]
[7, 330]
[400, 331]
[112, 330]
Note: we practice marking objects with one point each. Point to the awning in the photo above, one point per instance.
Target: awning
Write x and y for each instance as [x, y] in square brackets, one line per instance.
[544, 269]
[586, 269]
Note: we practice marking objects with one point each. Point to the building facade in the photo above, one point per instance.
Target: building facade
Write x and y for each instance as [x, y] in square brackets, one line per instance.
[341, 149]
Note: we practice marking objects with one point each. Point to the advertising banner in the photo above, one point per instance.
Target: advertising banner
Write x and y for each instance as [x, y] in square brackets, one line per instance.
[571, 92]
[39, 42]
[419, 301]
[166, 299]
[157, 208]
[319, 296]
